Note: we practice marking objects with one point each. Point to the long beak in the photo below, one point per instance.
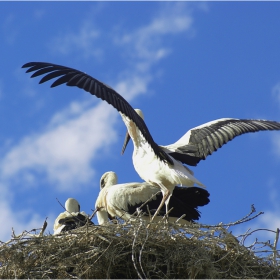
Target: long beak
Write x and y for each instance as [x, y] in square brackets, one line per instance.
[126, 140]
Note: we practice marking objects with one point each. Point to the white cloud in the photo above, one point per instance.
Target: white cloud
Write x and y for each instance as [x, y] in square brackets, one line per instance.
[131, 86]
[19, 221]
[65, 149]
[270, 220]
[24, 220]
[81, 40]
[145, 43]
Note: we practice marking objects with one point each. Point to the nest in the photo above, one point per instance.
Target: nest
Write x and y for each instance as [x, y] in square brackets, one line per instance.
[135, 251]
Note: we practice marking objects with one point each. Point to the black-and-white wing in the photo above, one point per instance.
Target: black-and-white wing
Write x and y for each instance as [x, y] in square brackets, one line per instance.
[73, 77]
[203, 140]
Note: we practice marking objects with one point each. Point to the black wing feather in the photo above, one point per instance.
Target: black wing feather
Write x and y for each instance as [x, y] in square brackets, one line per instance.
[183, 201]
[74, 221]
[73, 77]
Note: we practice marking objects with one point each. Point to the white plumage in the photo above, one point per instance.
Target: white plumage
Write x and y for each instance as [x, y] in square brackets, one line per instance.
[122, 200]
[160, 166]
[71, 218]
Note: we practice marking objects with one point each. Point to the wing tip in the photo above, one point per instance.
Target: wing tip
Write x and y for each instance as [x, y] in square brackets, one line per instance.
[27, 65]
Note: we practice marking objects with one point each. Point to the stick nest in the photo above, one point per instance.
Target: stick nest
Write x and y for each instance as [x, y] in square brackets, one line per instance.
[133, 251]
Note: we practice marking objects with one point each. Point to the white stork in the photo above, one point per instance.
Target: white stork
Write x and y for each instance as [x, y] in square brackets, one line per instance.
[160, 166]
[71, 218]
[123, 200]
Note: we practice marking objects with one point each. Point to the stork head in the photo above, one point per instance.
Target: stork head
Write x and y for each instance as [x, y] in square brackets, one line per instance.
[127, 136]
[72, 205]
[108, 179]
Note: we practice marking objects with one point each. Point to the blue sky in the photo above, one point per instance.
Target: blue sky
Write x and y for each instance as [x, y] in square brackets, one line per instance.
[183, 64]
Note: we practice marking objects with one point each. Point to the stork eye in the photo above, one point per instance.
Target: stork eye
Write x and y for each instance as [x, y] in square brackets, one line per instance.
[102, 183]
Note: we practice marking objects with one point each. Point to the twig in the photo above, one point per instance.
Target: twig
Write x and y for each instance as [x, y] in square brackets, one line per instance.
[103, 252]
[140, 254]
[166, 214]
[259, 229]
[43, 228]
[180, 218]
[136, 232]
[61, 204]
[244, 236]
[243, 220]
[101, 237]
[275, 246]
[150, 215]
[93, 213]
[155, 194]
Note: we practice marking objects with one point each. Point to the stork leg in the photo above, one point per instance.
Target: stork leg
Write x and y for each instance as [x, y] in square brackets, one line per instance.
[165, 199]
[167, 204]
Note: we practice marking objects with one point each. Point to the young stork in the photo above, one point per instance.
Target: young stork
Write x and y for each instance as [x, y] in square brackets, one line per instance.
[71, 218]
[160, 166]
[122, 200]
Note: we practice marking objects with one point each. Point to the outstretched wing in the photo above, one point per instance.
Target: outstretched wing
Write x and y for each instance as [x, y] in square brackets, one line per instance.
[73, 77]
[203, 140]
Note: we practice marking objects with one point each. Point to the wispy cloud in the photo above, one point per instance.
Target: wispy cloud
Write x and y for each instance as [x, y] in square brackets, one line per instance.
[270, 220]
[20, 221]
[133, 85]
[145, 44]
[64, 150]
[10, 29]
[276, 92]
[16, 220]
[81, 40]
[39, 14]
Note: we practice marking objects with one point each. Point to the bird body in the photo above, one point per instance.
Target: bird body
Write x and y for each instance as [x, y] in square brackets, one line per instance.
[71, 218]
[114, 201]
[150, 168]
[123, 200]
